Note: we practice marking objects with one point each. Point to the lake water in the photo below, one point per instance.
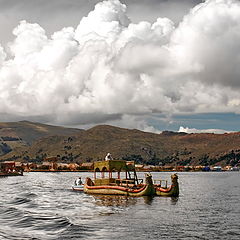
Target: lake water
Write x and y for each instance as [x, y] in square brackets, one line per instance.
[43, 206]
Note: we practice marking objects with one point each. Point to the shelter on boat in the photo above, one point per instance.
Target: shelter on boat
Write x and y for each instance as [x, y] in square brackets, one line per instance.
[107, 180]
[107, 168]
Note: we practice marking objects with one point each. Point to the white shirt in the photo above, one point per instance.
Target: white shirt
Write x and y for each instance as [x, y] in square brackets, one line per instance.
[78, 181]
[108, 157]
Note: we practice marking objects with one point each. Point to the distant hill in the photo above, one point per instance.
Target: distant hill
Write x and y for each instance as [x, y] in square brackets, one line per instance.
[167, 148]
[22, 134]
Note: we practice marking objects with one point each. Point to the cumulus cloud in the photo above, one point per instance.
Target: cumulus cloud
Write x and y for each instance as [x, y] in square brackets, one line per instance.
[194, 130]
[2, 55]
[135, 122]
[109, 68]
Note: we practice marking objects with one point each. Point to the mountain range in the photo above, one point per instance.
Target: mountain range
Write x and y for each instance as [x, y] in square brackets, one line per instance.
[32, 142]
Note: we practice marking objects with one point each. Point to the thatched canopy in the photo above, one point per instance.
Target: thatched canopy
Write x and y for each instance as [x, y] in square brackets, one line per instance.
[110, 165]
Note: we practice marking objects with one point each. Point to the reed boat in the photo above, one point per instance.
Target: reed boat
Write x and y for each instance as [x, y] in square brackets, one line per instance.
[9, 168]
[172, 191]
[107, 184]
[78, 185]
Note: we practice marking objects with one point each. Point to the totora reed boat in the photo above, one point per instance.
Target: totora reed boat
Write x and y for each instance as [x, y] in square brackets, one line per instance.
[107, 180]
[130, 185]
[172, 191]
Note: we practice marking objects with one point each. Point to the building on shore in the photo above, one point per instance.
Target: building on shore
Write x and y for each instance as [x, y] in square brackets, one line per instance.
[10, 167]
[87, 166]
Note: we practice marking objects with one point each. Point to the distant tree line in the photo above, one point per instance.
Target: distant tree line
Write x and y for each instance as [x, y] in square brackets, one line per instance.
[6, 138]
[5, 148]
[231, 158]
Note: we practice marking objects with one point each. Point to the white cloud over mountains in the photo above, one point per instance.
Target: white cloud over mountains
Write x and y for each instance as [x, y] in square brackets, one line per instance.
[111, 69]
[194, 130]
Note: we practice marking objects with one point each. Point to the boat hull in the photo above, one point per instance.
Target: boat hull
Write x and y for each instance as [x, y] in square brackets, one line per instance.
[78, 188]
[172, 191]
[144, 190]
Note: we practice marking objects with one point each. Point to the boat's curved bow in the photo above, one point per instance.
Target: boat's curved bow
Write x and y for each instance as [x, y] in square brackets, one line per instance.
[172, 191]
[78, 188]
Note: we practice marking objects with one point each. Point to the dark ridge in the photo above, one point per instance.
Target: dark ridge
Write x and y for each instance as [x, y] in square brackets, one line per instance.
[171, 133]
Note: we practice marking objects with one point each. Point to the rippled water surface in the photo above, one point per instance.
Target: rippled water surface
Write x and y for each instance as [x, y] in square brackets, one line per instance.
[43, 206]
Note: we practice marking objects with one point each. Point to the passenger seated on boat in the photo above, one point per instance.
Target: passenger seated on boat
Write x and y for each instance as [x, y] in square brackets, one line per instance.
[108, 157]
[78, 181]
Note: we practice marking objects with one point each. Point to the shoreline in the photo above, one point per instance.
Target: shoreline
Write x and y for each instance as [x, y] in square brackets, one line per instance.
[57, 171]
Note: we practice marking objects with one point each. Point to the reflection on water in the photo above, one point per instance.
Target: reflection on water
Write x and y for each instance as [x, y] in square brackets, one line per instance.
[114, 200]
[43, 206]
[174, 200]
[148, 199]
[122, 201]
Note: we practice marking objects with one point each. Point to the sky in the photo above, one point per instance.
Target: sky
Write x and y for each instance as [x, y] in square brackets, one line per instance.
[152, 65]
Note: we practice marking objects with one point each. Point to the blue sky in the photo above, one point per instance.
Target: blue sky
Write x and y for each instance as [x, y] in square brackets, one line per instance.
[226, 121]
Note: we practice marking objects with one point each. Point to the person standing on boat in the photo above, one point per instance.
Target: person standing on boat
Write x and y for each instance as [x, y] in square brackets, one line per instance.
[108, 157]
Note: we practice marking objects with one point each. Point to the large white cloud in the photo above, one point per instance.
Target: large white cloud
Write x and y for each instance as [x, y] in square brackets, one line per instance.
[108, 67]
[2, 55]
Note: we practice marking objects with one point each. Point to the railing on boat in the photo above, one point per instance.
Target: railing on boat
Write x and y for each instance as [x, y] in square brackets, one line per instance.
[127, 182]
[160, 182]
